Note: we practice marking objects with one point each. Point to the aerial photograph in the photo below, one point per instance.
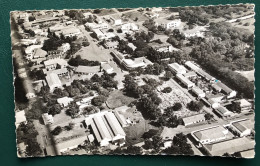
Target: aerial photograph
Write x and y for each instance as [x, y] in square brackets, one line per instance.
[135, 81]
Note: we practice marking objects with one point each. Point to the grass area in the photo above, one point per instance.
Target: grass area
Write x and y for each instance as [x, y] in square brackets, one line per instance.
[93, 53]
[117, 99]
[106, 12]
[135, 14]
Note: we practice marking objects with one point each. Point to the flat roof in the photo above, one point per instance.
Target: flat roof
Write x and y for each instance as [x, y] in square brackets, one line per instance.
[243, 125]
[210, 133]
[184, 79]
[193, 118]
[53, 79]
[230, 146]
[20, 117]
[88, 69]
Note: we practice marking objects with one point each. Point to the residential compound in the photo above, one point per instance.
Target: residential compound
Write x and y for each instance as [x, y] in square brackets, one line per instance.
[117, 81]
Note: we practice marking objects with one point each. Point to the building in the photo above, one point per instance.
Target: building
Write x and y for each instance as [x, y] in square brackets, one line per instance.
[106, 128]
[223, 112]
[116, 19]
[242, 105]
[30, 93]
[21, 149]
[248, 153]
[107, 68]
[121, 119]
[151, 15]
[68, 32]
[27, 42]
[198, 92]
[20, 118]
[111, 44]
[185, 81]
[55, 54]
[199, 71]
[30, 49]
[210, 135]
[230, 146]
[198, 31]
[167, 24]
[242, 127]
[64, 47]
[87, 70]
[193, 119]
[164, 47]
[190, 74]
[100, 26]
[22, 73]
[191, 66]
[53, 81]
[214, 100]
[65, 146]
[60, 72]
[47, 119]
[177, 69]
[131, 45]
[225, 89]
[39, 53]
[100, 35]
[52, 64]
[130, 64]
[64, 101]
[128, 27]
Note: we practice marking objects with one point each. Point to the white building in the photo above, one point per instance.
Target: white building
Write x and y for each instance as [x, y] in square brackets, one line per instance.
[107, 67]
[20, 118]
[223, 111]
[185, 81]
[177, 69]
[193, 119]
[242, 127]
[64, 101]
[210, 135]
[52, 64]
[53, 81]
[126, 28]
[116, 20]
[92, 26]
[198, 92]
[87, 70]
[167, 24]
[106, 128]
[47, 119]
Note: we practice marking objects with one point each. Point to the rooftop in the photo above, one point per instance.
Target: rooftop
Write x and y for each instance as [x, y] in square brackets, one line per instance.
[88, 69]
[230, 146]
[243, 125]
[194, 118]
[210, 133]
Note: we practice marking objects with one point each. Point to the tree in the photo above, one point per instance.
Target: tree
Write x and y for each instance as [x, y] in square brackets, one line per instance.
[31, 18]
[150, 133]
[208, 116]
[177, 106]
[99, 100]
[70, 126]
[167, 90]
[111, 30]
[195, 106]
[180, 145]
[73, 112]
[134, 150]
[148, 144]
[157, 142]
[33, 148]
[168, 75]
[56, 131]
[55, 109]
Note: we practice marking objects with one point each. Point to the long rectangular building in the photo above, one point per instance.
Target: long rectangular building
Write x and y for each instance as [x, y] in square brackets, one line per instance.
[185, 81]
[106, 129]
